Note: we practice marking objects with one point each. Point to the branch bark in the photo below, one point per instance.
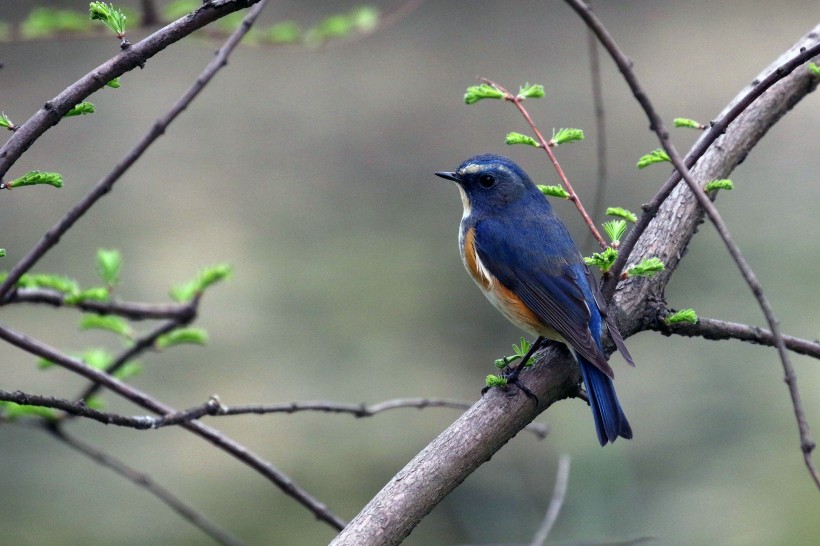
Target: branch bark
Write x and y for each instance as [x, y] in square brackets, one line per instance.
[466, 444]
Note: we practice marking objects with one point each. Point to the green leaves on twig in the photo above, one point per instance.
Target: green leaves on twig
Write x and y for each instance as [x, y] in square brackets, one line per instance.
[207, 277]
[495, 381]
[647, 268]
[615, 229]
[723, 184]
[656, 156]
[520, 351]
[112, 17]
[44, 280]
[80, 110]
[814, 69]
[684, 315]
[565, 135]
[191, 336]
[561, 137]
[622, 213]
[97, 293]
[12, 411]
[109, 263]
[554, 191]
[688, 123]
[35, 178]
[602, 260]
[110, 323]
[112, 319]
[6, 122]
[476, 93]
[518, 138]
[527, 91]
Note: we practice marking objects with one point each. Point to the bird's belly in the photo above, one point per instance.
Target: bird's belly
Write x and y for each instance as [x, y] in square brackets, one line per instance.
[517, 312]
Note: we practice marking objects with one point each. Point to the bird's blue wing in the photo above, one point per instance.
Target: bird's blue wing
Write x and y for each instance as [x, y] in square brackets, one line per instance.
[549, 278]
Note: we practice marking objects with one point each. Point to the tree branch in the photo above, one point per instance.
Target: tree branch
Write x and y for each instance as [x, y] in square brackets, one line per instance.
[128, 59]
[148, 402]
[719, 329]
[703, 201]
[182, 312]
[466, 444]
[214, 408]
[433, 473]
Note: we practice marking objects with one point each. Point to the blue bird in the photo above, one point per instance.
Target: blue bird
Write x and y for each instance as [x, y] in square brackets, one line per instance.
[522, 257]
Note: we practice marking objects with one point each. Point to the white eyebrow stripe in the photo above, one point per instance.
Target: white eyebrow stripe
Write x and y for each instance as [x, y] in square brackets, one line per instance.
[474, 168]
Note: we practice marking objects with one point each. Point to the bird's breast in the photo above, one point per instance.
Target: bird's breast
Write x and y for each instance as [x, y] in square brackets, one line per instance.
[502, 298]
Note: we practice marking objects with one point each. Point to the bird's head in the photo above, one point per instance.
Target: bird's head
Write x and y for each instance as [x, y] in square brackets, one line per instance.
[490, 183]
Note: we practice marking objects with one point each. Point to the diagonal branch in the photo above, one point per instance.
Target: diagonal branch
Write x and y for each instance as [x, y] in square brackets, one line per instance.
[129, 59]
[458, 451]
[806, 49]
[150, 403]
[807, 444]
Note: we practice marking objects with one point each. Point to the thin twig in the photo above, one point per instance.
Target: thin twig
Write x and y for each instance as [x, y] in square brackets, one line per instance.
[720, 329]
[554, 508]
[7, 156]
[145, 342]
[130, 58]
[600, 123]
[717, 129]
[127, 309]
[807, 444]
[146, 482]
[148, 402]
[214, 408]
[518, 102]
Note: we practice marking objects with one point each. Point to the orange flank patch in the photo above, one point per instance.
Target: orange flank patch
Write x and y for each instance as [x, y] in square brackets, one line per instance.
[504, 299]
[515, 310]
[471, 261]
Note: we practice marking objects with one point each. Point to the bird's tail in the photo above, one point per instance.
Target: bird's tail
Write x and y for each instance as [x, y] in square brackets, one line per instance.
[610, 421]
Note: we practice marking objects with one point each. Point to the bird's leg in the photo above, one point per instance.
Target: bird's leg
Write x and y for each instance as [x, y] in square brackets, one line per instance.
[512, 376]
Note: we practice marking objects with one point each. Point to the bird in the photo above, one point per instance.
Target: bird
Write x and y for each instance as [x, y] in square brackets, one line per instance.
[526, 263]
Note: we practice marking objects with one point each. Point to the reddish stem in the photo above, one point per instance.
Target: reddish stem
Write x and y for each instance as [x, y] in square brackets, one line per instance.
[543, 143]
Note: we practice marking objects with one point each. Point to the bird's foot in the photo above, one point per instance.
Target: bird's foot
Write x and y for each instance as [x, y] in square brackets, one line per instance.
[511, 377]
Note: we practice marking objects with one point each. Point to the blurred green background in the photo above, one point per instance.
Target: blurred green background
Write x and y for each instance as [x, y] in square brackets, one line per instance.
[311, 172]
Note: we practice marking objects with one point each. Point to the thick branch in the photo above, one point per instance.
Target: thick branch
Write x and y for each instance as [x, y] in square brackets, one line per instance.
[469, 442]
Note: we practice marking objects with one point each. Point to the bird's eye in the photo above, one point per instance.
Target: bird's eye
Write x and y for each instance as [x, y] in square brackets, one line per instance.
[486, 181]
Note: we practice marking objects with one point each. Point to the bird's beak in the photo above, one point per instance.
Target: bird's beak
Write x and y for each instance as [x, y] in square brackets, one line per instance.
[449, 176]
